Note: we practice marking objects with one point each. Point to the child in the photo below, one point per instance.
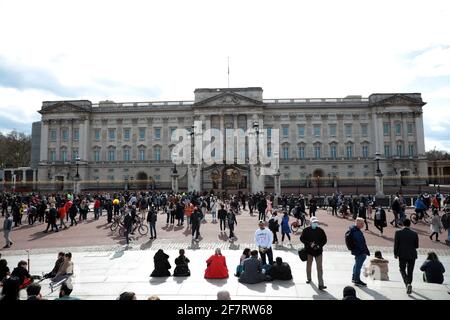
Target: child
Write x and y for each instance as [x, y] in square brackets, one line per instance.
[378, 268]
[435, 225]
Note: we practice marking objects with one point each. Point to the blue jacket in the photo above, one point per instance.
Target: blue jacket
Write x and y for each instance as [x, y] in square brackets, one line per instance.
[360, 242]
[285, 228]
[420, 205]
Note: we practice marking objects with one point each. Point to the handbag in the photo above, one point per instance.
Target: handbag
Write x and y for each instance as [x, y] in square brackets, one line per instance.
[303, 255]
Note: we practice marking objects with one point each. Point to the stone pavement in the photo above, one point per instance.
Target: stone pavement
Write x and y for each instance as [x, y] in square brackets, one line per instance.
[103, 272]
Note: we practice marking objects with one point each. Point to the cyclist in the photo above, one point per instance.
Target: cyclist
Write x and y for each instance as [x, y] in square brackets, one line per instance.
[420, 208]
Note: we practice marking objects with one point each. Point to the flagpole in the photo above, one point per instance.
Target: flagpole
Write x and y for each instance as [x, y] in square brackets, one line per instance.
[228, 72]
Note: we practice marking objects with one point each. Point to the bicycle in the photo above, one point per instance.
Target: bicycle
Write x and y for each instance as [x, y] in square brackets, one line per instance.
[296, 225]
[139, 225]
[416, 218]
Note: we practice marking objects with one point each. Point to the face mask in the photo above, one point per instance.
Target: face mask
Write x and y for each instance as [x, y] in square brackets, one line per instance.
[314, 225]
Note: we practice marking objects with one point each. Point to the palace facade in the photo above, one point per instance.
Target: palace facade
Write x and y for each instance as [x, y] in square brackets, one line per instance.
[323, 141]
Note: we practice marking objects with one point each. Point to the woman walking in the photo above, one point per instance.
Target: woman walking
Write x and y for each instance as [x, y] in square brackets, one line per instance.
[436, 225]
[285, 228]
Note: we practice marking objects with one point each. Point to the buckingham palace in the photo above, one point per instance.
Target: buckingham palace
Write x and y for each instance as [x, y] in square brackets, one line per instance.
[333, 142]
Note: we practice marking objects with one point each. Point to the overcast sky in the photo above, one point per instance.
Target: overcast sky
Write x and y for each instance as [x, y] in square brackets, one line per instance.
[163, 50]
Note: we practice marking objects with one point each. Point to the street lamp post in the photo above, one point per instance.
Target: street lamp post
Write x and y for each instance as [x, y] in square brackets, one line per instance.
[318, 186]
[378, 177]
[77, 176]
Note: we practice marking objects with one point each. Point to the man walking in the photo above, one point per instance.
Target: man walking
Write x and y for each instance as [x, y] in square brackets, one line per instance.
[196, 220]
[231, 218]
[314, 239]
[222, 215]
[355, 241]
[128, 224]
[264, 239]
[52, 216]
[7, 227]
[406, 243]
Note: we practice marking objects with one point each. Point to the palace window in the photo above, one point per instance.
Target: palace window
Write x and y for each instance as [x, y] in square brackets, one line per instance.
[410, 128]
[301, 131]
[399, 150]
[76, 134]
[97, 134]
[317, 152]
[97, 155]
[285, 131]
[332, 129]
[52, 155]
[411, 150]
[301, 152]
[65, 135]
[126, 134]
[364, 130]
[285, 152]
[74, 153]
[317, 130]
[157, 153]
[398, 129]
[126, 154]
[386, 129]
[141, 134]
[157, 133]
[53, 135]
[348, 130]
[111, 154]
[333, 151]
[112, 134]
[349, 151]
[387, 151]
[365, 151]
[141, 154]
[63, 154]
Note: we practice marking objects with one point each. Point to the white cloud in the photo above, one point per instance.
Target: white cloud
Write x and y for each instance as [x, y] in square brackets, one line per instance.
[290, 48]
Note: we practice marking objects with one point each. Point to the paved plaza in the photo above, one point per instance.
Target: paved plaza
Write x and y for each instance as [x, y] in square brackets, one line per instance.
[103, 273]
[105, 266]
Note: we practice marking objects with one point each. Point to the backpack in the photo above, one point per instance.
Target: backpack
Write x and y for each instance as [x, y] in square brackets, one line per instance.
[445, 221]
[273, 225]
[349, 240]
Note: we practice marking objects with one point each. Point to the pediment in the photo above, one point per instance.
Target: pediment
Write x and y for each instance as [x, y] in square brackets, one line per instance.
[399, 100]
[65, 107]
[228, 99]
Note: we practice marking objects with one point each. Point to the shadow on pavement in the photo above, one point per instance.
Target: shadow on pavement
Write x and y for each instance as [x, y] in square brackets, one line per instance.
[146, 245]
[258, 287]
[321, 294]
[276, 284]
[118, 254]
[217, 282]
[373, 293]
[412, 296]
[158, 280]
[180, 279]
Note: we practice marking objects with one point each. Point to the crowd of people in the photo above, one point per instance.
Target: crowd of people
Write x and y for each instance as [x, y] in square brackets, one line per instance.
[255, 266]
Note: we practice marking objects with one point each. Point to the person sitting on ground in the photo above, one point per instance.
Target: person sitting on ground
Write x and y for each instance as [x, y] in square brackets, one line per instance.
[34, 292]
[21, 272]
[10, 290]
[280, 270]
[216, 266]
[433, 269]
[65, 291]
[378, 268]
[65, 271]
[223, 295]
[182, 268]
[162, 265]
[240, 267]
[253, 272]
[4, 270]
[349, 294]
[58, 263]
[127, 296]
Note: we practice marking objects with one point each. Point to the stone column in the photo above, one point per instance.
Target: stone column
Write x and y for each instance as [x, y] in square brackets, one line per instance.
[86, 140]
[70, 142]
[420, 135]
[174, 177]
[58, 141]
[379, 185]
[44, 141]
[277, 184]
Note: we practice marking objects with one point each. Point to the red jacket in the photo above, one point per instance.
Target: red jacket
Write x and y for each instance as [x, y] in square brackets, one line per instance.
[62, 212]
[97, 204]
[217, 268]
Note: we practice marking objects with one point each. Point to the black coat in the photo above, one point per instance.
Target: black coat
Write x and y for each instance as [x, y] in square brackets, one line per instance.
[181, 269]
[280, 272]
[406, 243]
[317, 236]
[162, 265]
[222, 214]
